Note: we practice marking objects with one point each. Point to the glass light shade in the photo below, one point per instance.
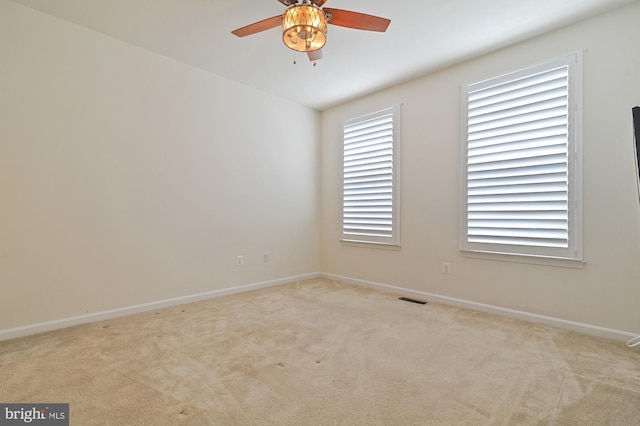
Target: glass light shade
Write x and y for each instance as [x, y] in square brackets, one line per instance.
[304, 28]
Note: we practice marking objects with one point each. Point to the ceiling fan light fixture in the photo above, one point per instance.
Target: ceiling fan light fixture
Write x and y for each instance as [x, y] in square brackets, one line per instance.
[304, 27]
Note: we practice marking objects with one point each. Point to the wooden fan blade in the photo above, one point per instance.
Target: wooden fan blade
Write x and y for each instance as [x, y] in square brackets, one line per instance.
[359, 21]
[257, 27]
[315, 55]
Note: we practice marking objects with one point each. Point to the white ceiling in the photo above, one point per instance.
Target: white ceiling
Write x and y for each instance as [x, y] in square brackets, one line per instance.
[424, 35]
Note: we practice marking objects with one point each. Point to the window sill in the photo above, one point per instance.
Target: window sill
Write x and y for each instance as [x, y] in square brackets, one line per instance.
[370, 244]
[522, 258]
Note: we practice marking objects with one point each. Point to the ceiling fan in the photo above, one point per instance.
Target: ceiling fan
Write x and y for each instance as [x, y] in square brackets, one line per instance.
[304, 25]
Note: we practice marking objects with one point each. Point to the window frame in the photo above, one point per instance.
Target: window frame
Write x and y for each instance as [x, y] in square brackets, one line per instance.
[571, 256]
[393, 240]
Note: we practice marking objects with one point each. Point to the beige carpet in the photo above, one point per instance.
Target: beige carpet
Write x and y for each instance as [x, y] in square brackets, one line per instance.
[321, 352]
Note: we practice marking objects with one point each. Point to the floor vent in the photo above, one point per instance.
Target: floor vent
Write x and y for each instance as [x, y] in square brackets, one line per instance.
[408, 299]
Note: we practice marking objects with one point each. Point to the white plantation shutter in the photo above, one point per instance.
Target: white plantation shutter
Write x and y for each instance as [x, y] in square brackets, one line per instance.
[369, 212]
[520, 189]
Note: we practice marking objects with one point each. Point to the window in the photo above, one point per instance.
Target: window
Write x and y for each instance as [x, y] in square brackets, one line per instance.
[521, 161]
[370, 178]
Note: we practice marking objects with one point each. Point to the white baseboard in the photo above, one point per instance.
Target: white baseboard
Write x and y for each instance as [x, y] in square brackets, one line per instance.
[28, 330]
[592, 330]
[120, 312]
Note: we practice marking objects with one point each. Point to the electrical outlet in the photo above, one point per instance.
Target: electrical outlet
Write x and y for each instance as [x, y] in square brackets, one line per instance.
[239, 260]
[265, 257]
[446, 267]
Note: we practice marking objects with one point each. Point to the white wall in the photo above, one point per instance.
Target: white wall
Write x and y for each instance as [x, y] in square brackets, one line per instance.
[606, 292]
[128, 178]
